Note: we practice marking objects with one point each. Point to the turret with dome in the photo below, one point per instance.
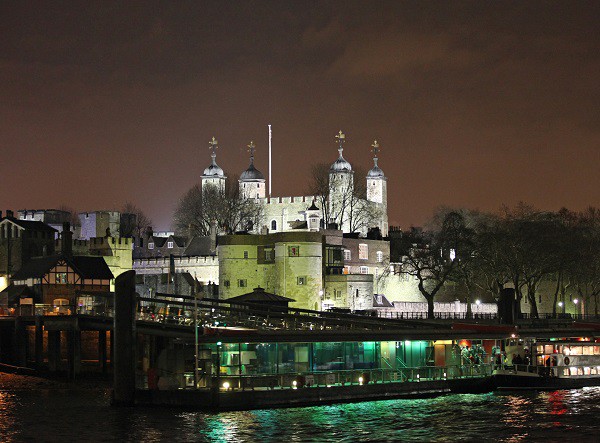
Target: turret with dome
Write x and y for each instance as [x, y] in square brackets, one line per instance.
[213, 174]
[291, 213]
[252, 181]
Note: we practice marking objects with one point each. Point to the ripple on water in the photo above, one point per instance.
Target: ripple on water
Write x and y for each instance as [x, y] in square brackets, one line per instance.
[78, 416]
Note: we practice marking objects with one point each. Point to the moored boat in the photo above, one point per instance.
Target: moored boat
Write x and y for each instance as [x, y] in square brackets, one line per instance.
[549, 365]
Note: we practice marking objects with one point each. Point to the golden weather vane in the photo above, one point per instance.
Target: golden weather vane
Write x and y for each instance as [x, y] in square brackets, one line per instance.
[214, 144]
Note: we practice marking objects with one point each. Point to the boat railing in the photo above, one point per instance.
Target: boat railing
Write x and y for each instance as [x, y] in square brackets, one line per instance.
[347, 377]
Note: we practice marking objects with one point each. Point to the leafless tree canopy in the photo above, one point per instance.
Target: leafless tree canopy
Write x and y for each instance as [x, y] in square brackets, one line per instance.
[74, 218]
[350, 204]
[227, 208]
[142, 221]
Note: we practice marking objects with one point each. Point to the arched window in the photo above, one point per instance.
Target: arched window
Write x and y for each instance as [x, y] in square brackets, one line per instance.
[274, 225]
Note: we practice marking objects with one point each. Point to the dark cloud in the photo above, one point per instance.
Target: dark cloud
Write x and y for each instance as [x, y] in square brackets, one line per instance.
[475, 104]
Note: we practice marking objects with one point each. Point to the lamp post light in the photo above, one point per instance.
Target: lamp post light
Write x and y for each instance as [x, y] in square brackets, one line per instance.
[576, 301]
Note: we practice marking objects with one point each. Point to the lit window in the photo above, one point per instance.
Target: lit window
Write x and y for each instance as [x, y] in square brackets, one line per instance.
[363, 252]
[347, 255]
[294, 251]
[170, 245]
[364, 270]
[379, 256]
[301, 281]
[150, 245]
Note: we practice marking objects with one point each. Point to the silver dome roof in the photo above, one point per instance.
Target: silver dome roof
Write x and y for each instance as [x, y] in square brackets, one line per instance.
[213, 170]
[341, 165]
[251, 174]
[376, 172]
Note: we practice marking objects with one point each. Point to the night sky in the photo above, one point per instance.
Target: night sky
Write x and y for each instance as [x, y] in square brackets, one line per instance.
[474, 104]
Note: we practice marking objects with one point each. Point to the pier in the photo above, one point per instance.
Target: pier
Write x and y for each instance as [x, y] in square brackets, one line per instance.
[213, 354]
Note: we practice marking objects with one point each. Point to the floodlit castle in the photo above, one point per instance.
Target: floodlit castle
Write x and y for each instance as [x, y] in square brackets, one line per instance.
[340, 203]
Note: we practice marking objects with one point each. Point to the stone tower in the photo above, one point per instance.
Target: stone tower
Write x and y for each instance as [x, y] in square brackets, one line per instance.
[341, 187]
[377, 189]
[213, 175]
[252, 182]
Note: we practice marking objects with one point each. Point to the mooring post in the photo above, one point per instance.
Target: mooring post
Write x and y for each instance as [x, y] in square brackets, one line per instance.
[39, 342]
[20, 342]
[102, 350]
[124, 340]
[53, 351]
[74, 352]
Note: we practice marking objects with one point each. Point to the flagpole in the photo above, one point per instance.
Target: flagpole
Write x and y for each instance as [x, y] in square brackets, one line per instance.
[195, 333]
[270, 177]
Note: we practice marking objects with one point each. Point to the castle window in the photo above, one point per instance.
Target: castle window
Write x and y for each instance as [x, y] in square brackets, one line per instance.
[294, 251]
[170, 244]
[301, 281]
[363, 251]
[242, 283]
[274, 225]
[379, 256]
[347, 255]
[364, 270]
[245, 254]
[150, 245]
[226, 283]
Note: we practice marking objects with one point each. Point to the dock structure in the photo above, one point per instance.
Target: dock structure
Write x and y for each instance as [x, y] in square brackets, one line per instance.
[205, 352]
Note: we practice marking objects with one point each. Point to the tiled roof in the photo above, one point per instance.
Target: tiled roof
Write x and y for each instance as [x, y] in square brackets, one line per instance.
[32, 225]
[88, 267]
[259, 295]
[199, 246]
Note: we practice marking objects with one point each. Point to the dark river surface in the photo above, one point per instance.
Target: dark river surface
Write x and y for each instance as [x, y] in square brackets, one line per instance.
[561, 416]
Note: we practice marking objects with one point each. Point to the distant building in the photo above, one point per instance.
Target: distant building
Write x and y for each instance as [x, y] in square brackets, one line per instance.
[282, 214]
[61, 276]
[307, 267]
[101, 223]
[175, 264]
[20, 241]
[52, 217]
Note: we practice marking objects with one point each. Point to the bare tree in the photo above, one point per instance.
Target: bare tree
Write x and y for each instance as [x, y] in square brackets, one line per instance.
[343, 201]
[140, 223]
[319, 187]
[431, 258]
[73, 216]
[229, 209]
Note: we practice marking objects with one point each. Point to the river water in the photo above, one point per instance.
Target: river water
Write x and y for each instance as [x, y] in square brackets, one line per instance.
[71, 415]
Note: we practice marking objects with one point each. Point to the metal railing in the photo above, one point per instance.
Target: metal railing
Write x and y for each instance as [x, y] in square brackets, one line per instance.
[350, 377]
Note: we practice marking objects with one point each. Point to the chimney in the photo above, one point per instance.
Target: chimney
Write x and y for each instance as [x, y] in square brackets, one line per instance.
[67, 240]
[0, 215]
[149, 232]
[9, 213]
